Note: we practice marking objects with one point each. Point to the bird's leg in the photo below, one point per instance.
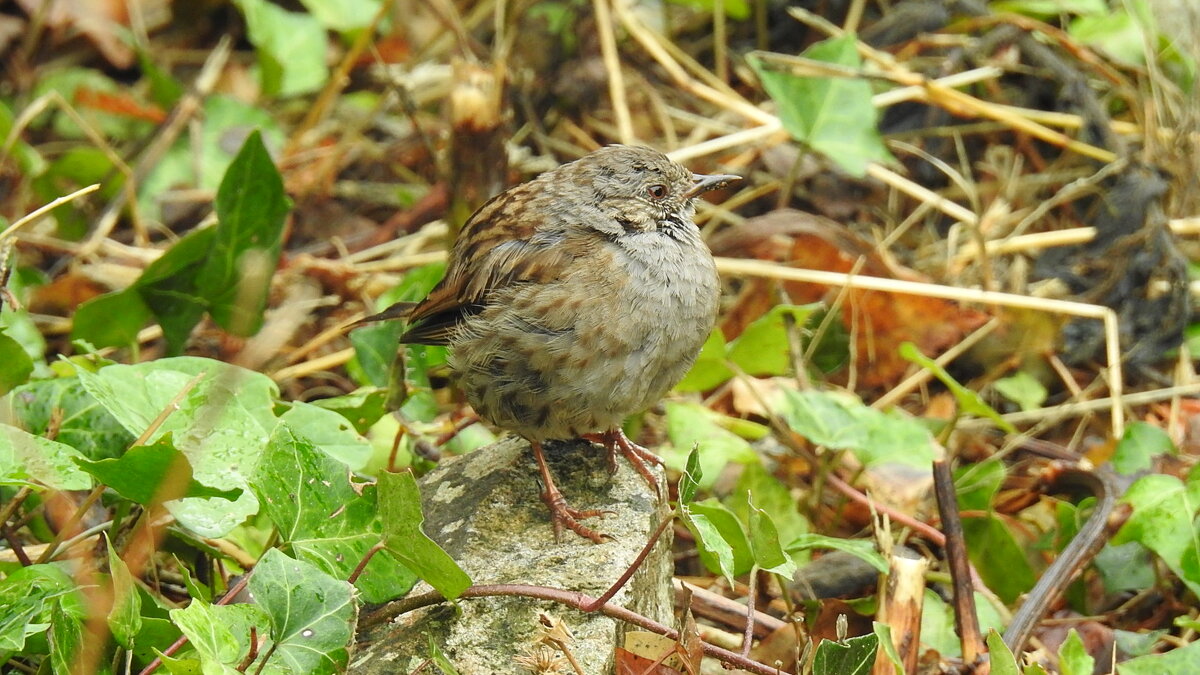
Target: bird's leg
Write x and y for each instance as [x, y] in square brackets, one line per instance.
[560, 513]
[614, 440]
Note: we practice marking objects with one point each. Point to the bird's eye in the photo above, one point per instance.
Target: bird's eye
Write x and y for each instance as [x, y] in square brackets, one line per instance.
[657, 191]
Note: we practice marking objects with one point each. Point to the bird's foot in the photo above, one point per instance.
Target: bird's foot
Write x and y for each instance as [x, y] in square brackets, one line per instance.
[615, 441]
[562, 514]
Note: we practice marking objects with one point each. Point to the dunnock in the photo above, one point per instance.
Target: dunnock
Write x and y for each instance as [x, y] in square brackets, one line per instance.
[574, 300]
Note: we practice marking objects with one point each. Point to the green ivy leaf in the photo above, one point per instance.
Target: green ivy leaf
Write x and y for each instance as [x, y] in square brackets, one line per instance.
[1178, 661]
[330, 432]
[691, 424]
[400, 510]
[25, 457]
[17, 364]
[147, 472]
[854, 656]
[840, 421]
[251, 208]
[291, 48]
[722, 543]
[308, 495]
[1073, 658]
[834, 116]
[220, 634]
[125, 617]
[221, 425]
[1139, 446]
[1023, 389]
[709, 370]
[999, 558]
[112, 319]
[1164, 521]
[312, 614]
[1003, 662]
[763, 348]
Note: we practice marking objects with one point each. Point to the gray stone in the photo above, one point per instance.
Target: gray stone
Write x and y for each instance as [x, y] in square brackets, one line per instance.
[484, 509]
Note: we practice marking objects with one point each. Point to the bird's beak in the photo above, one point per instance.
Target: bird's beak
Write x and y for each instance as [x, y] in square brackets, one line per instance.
[702, 183]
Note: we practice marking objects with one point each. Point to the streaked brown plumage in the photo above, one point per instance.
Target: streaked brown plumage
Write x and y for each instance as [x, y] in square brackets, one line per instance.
[576, 299]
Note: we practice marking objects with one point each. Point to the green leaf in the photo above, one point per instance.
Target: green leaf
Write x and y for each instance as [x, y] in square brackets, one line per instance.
[27, 598]
[720, 539]
[1179, 661]
[764, 544]
[1050, 8]
[763, 348]
[976, 485]
[1137, 644]
[1125, 567]
[689, 424]
[1073, 658]
[734, 9]
[168, 287]
[67, 82]
[221, 426]
[147, 472]
[220, 634]
[1139, 446]
[689, 482]
[81, 421]
[125, 617]
[312, 614]
[969, 402]
[1117, 33]
[251, 207]
[1023, 389]
[770, 495]
[28, 161]
[309, 498]
[18, 326]
[439, 659]
[344, 15]
[400, 510]
[999, 558]
[709, 370]
[834, 116]
[17, 364]
[937, 623]
[861, 548]
[375, 345]
[25, 457]
[330, 432]
[1164, 521]
[1002, 660]
[362, 408]
[66, 639]
[854, 656]
[111, 320]
[291, 48]
[883, 632]
[840, 421]
[227, 123]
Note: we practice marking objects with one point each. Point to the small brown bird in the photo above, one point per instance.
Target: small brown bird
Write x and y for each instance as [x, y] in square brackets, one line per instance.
[574, 300]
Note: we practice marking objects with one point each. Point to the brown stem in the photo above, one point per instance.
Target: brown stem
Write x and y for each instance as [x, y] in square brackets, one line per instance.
[362, 564]
[1091, 537]
[571, 599]
[966, 621]
[748, 634]
[633, 568]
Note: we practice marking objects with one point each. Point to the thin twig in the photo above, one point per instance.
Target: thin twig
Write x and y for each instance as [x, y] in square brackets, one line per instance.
[571, 599]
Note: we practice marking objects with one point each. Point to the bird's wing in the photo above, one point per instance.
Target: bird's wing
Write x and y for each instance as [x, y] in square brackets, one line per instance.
[502, 244]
